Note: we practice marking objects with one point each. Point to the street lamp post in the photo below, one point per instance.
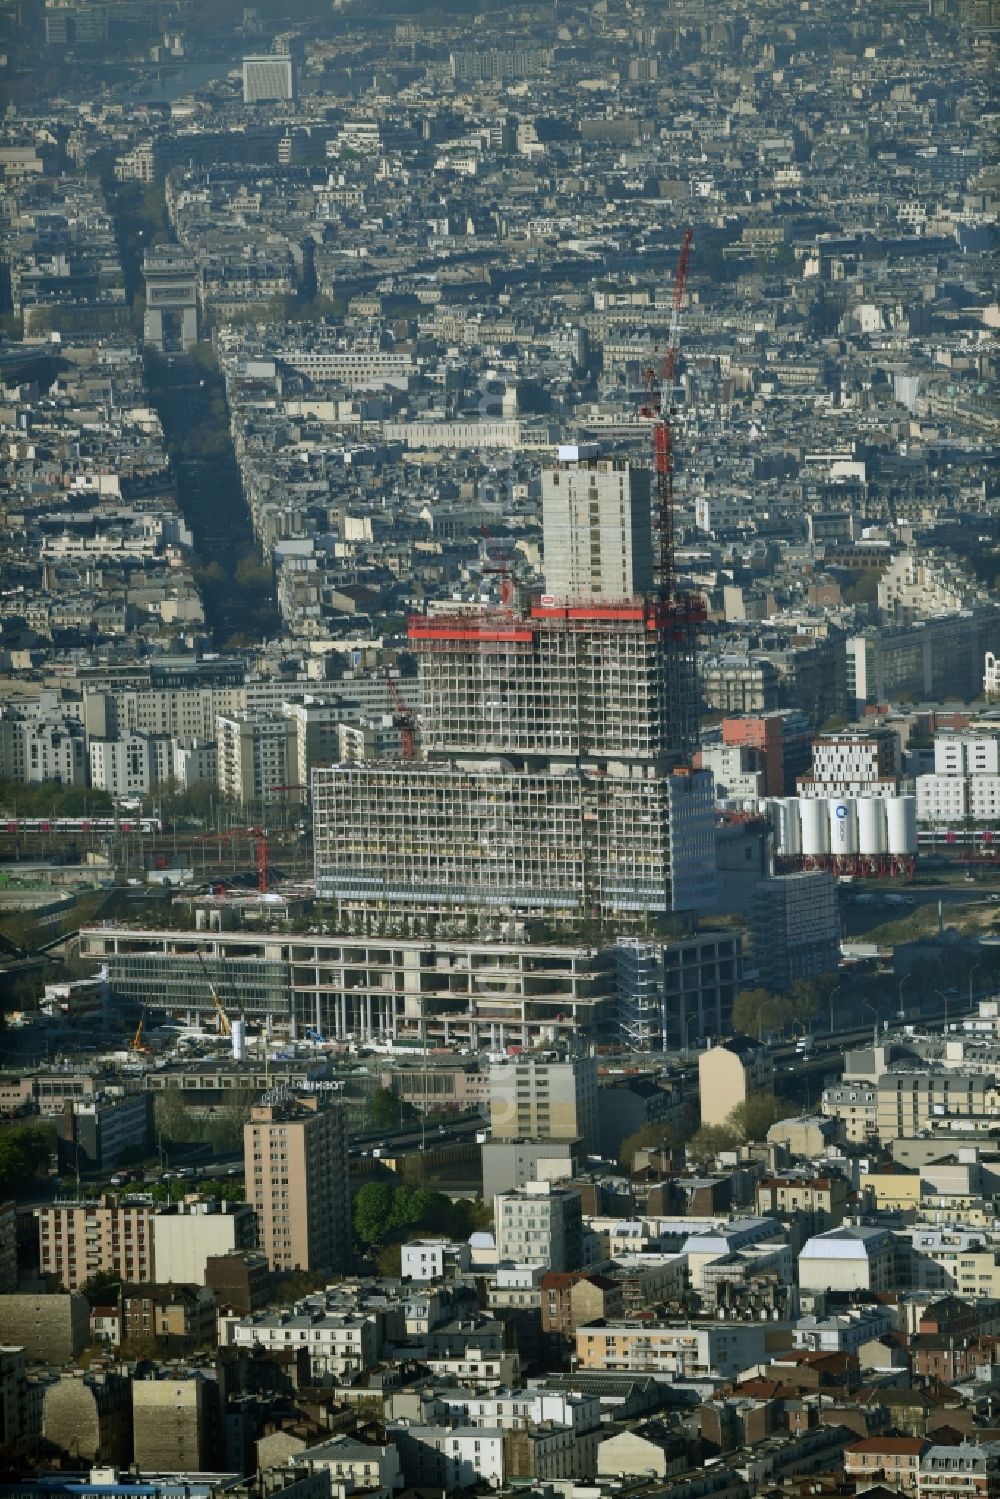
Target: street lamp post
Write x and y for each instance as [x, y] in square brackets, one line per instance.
[903, 980]
[833, 995]
[691, 1020]
[974, 969]
[942, 995]
[867, 1005]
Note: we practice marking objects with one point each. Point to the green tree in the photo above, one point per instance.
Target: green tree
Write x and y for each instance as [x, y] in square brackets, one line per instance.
[751, 1119]
[373, 1212]
[171, 1117]
[758, 1010]
[390, 1261]
[23, 1150]
[646, 1137]
[710, 1139]
[804, 998]
[386, 1108]
[97, 1287]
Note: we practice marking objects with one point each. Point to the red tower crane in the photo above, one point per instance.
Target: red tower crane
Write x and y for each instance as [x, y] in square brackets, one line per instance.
[404, 719]
[678, 616]
[498, 561]
[259, 837]
[658, 404]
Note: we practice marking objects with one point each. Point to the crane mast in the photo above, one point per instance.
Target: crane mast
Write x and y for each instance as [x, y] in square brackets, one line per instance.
[679, 616]
[225, 1025]
[658, 404]
[404, 720]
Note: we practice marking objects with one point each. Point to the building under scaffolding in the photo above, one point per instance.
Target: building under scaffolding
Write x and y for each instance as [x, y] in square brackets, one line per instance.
[556, 782]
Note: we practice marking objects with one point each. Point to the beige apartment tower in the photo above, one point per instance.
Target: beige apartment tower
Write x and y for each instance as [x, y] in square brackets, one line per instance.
[80, 1239]
[295, 1153]
[596, 524]
[537, 1098]
[728, 1074]
[172, 1424]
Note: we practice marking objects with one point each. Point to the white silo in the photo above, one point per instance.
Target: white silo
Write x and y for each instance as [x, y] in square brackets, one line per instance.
[815, 823]
[843, 827]
[239, 1040]
[872, 831]
[787, 826]
[901, 818]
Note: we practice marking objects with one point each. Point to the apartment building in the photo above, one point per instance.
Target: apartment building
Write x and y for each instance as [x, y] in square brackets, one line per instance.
[953, 1259]
[850, 1258]
[910, 1101]
[970, 1470]
[890, 1460]
[32, 751]
[544, 1098]
[267, 78]
[79, 1239]
[257, 755]
[796, 927]
[728, 1073]
[540, 1224]
[449, 1458]
[569, 1301]
[131, 765]
[931, 660]
[187, 712]
[855, 1107]
[965, 783]
[174, 1423]
[339, 1344]
[596, 534]
[433, 1259]
[187, 1235]
[822, 1198]
[853, 764]
[356, 1465]
[96, 1132]
[295, 1155]
[476, 1368]
[719, 1349]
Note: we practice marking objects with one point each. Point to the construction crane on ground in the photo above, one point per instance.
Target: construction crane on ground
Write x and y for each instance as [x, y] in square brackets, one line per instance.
[404, 720]
[258, 836]
[137, 1044]
[225, 1026]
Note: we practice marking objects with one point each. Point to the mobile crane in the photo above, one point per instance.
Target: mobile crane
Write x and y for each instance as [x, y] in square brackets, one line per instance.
[225, 1026]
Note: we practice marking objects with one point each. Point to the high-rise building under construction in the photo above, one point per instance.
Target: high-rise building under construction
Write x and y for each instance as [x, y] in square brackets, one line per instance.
[557, 776]
[596, 527]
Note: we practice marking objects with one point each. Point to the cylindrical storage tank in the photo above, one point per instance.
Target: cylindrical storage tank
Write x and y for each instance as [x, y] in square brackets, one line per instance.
[901, 819]
[815, 825]
[843, 827]
[787, 827]
[872, 833]
[239, 1040]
